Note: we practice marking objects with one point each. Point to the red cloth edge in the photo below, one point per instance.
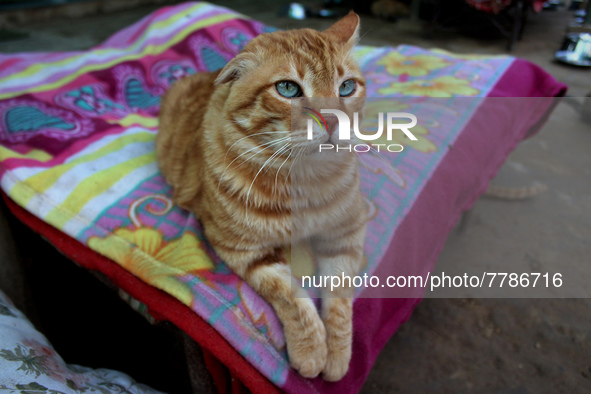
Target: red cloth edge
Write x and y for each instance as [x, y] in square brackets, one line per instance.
[160, 304]
[219, 373]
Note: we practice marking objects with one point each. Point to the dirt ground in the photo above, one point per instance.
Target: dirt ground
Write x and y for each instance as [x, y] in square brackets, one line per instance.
[489, 346]
[469, 345]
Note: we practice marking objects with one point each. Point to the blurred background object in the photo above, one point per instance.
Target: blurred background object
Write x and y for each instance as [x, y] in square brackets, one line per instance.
[575, 50]
[576, 47]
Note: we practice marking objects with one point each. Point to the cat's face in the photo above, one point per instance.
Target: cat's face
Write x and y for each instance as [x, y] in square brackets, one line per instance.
[279, 73]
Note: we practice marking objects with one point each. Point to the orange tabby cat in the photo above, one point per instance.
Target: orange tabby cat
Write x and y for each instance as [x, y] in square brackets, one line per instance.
[218, 131]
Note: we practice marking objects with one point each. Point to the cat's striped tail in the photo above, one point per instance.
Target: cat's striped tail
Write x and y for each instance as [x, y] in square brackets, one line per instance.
[517, 193]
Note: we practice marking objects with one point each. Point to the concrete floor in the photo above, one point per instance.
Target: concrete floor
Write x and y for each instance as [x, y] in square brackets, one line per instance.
[465, 345]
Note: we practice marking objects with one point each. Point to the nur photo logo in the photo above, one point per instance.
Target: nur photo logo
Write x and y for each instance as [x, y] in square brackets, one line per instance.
[344, 129]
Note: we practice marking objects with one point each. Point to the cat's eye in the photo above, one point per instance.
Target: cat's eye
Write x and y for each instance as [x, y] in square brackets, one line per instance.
[288, 89]
[347, 88]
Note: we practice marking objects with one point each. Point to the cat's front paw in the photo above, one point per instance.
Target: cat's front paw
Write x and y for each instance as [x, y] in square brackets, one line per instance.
[338, 315]
[337, 363]
[307, 349]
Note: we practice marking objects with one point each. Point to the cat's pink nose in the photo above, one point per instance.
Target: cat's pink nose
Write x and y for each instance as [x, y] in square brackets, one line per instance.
[332, 123]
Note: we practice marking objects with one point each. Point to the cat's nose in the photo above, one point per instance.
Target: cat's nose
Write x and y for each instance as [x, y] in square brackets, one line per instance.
[332, 123]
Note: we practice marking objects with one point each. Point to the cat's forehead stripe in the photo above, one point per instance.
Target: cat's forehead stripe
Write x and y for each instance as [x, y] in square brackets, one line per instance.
[305, 47]
[297, 70]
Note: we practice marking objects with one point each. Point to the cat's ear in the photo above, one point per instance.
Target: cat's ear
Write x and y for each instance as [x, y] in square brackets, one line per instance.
[345, 30]
[236, 67]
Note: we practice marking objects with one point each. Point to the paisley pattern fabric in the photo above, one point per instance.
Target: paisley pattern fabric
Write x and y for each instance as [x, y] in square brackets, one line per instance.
[77, 150]
[23, 120]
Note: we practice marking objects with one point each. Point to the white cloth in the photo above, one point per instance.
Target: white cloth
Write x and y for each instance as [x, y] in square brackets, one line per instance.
[28, 363]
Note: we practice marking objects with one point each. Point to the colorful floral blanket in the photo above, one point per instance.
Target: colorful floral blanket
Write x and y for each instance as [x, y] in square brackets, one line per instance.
[77, 151]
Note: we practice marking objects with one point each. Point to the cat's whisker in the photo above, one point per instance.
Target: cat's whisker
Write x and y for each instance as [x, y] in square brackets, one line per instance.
[255, 178]
[364, 34]
[380, 156]
[298, 155]
[373, 150]
[279, 169]
[272, 164]
[363, 164]
[268, 144]
[292, 163]
[232, 162]
[281, 151]
[249, 136]
[276, 155]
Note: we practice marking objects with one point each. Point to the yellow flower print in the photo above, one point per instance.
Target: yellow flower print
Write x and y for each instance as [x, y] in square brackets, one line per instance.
[438, 87]
[371, 123]
[146, 254]
[414, 66]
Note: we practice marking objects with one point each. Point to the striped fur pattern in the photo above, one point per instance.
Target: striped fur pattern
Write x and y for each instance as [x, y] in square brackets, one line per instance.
[229, 147]
[515, 193]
